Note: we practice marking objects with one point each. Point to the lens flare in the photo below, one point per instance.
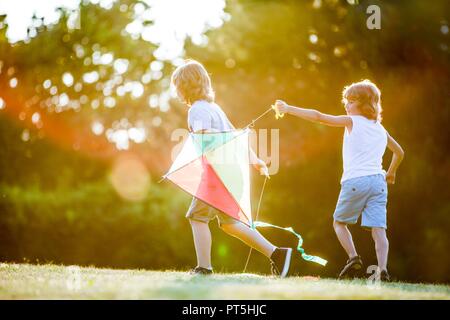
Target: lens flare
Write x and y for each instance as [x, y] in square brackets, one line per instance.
[130, 178]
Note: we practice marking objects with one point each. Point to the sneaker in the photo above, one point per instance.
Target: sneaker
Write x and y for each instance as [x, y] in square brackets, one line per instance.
[351, 268]
[280, 261]
[384, 276]
[201, 271]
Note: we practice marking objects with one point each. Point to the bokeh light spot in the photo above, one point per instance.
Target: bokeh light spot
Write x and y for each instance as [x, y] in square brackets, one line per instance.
[121, 66]
[90, 77]
[230, 63]
[35, 117]
[47, 84]
[67, 78]
[25, 135]
[130, 178]
[222, 250]
[313, 38]
[53, 90]
[97, 128]
[13, 82]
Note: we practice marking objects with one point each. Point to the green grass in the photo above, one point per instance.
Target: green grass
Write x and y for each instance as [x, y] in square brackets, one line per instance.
[25, 281]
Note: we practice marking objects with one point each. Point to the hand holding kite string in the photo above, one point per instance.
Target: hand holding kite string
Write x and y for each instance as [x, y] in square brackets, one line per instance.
[265, 171]
[278, 114]
[280, 108]
[261, 166]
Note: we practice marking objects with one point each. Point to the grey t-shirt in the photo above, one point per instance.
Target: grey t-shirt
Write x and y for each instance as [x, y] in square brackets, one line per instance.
[204, 115]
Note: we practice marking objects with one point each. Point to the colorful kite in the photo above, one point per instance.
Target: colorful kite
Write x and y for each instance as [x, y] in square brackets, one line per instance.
[214, 167]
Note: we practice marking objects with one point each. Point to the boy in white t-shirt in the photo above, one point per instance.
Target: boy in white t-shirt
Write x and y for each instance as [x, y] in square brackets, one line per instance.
[364, 182]
[193, 86]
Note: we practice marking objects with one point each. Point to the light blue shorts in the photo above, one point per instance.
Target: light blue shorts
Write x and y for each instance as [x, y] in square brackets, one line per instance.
[363, 195]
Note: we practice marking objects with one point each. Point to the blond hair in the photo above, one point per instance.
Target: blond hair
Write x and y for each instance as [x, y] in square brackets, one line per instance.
[368, 97]
[192, 82]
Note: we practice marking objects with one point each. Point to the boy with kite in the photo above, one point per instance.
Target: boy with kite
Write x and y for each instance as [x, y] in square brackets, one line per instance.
[193, 87]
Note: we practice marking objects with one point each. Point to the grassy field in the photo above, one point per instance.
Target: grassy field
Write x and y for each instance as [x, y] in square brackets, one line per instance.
[25, 281]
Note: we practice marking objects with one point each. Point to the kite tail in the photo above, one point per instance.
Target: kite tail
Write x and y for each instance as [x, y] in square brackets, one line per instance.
[305, 256]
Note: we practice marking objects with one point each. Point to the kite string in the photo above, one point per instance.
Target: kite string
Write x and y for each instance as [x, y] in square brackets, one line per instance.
[256, 219]
[252, 123]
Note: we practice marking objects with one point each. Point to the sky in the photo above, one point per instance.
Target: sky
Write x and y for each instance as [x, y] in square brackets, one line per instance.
[174, 20]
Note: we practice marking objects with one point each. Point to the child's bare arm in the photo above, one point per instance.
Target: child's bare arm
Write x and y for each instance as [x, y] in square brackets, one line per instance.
[315, 116]
[257, 163]
[396, 159]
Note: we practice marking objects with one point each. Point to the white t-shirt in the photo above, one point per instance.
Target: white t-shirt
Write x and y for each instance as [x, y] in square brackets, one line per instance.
[363, 148]
[204, 115]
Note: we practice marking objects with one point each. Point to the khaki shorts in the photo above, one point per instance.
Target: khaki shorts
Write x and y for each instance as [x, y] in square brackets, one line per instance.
[200, 211]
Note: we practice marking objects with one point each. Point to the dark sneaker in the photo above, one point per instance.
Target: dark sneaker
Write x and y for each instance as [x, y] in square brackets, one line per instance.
[280, 261]
[352, 268]
[201, 271]
[384, 276]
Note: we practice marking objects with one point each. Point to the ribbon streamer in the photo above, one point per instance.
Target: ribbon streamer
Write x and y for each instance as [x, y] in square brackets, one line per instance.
[305, 256]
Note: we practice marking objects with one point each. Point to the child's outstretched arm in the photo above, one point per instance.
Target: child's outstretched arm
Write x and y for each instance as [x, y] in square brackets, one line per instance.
[396, 158]
[315, 116]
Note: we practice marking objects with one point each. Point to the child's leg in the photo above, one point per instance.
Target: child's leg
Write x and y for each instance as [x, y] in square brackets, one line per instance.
[381, 246]
[249, 236]
[345, 238]
[202, 242]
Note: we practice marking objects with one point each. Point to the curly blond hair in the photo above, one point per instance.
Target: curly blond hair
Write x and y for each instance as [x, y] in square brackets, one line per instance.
[192, 82]
[368, 97]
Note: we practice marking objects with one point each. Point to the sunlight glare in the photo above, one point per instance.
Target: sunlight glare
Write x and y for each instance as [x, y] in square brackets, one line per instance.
[175, 20]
